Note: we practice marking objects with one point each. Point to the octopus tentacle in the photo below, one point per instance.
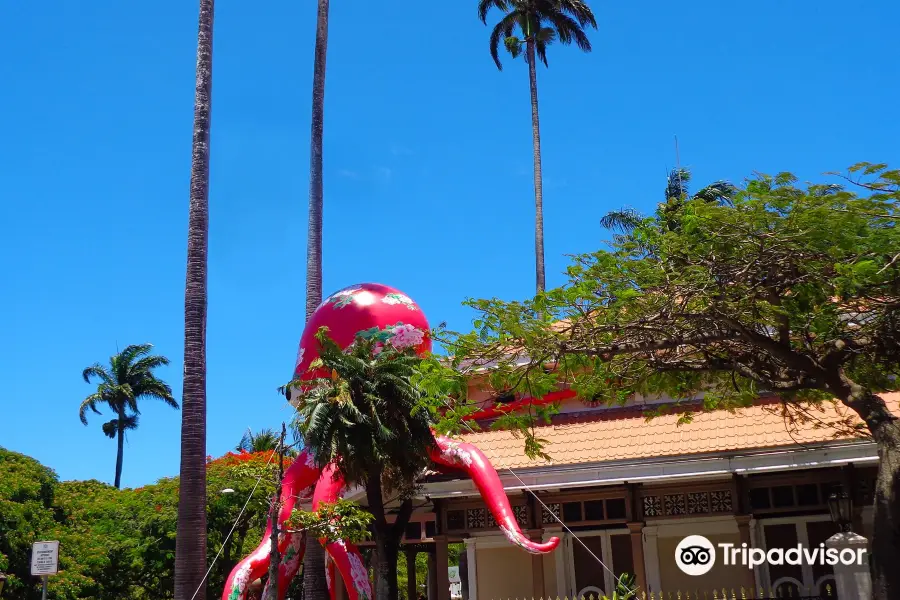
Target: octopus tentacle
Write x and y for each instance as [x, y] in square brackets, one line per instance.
[299, 476]
[345, 557]
[461, 455]
[291, 560]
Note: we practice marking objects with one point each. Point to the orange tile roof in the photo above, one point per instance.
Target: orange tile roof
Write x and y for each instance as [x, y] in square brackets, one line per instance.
[625, 434]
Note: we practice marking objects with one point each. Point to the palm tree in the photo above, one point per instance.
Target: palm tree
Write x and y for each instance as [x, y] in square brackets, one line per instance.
[128, 379]
[540, 23]
[315, 584]
[190, 541]
[677, 192]
[364, 418]
[262, 441]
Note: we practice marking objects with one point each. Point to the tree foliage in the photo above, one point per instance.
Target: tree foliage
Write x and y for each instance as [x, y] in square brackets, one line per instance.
[366, 416]
[120, 544]
[128, 379]
[540, 22]
[341, 520]
[788, 288]
[781, 287]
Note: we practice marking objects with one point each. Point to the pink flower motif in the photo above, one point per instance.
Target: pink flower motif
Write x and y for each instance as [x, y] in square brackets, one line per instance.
[378, 348]
[300, 352]
[406, 336]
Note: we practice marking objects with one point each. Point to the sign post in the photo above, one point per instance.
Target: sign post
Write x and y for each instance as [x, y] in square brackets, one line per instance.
[44, 562]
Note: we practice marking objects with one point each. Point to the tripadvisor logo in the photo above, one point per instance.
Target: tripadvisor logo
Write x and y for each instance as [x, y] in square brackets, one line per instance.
[696, 555]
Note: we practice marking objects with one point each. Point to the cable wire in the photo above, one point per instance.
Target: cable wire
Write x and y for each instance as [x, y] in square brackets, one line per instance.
[547, 508]
[240, 514]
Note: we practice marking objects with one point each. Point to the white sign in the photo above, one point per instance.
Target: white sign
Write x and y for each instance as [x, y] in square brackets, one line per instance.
[44, 558]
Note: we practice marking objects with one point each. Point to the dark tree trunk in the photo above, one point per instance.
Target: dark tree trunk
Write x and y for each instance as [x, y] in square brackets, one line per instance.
[885, 429]
[387, 539]
[885, 556]
[120, 439]
[190, 542]
[538, 178]
[315, 586]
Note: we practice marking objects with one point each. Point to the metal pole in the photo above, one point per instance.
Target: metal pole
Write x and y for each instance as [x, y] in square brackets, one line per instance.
[44, 593]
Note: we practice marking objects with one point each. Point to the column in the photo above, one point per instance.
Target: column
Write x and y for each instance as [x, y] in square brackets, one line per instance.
[472, 568]
[442, 564]
[853, 580]
[537, 566]
[743, 523]
[637, 555]
[651, 558]
[412, 590]
[432, 577]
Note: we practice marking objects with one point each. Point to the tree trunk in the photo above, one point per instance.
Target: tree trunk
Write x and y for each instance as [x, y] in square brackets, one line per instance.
[885, 428]
[315, 586]
[538, 180]
[120, 435]
[190, 541]
[316, 193]
[885, 553]
[386, 552]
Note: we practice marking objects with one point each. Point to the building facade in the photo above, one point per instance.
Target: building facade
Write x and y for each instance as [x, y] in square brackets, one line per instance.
[622, 491]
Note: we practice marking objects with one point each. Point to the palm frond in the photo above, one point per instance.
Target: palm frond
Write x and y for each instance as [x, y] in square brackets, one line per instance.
[89, 403]
[502, 30]
[624, 220]
[569, 30]
[719, 192]
[99, 371]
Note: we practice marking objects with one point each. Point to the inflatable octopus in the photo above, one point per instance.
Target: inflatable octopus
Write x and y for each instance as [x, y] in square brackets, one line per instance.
[390, 317]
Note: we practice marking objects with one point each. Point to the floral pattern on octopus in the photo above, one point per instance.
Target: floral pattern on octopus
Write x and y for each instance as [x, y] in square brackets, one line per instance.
[310, 461]
[406, 336]
[239, 584]
[342, 293]
[291, 558]
[300, 352]
[454, 453]
[343, 297]
[516, 538]
[403, 299]
[360, 576]
[328, 581]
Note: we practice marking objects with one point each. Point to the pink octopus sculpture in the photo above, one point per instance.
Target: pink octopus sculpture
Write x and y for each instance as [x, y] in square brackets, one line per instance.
[381, 312]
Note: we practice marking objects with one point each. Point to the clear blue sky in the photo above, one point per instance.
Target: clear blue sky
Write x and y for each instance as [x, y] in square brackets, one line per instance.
[427, 172]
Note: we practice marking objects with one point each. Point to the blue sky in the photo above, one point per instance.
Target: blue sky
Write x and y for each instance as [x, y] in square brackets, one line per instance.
[427, 172]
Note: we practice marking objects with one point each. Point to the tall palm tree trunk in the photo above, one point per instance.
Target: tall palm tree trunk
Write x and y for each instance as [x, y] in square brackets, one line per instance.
[538, 181]
[316, 194]
[120, 439]
[315, 586]
[190, 543]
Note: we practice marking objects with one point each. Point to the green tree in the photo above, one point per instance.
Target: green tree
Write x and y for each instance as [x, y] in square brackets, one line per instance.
[676, 193]
[540, 23]
[191, 541]
[786, 288]
[261, 441]
[364, 419]
[120, 544]
[26, 501]
[128, 379]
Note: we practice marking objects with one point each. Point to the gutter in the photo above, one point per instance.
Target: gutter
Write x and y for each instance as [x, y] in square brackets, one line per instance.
[681, 468]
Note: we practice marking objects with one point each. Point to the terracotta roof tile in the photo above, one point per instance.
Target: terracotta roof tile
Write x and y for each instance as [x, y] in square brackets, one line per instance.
[625, 434]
